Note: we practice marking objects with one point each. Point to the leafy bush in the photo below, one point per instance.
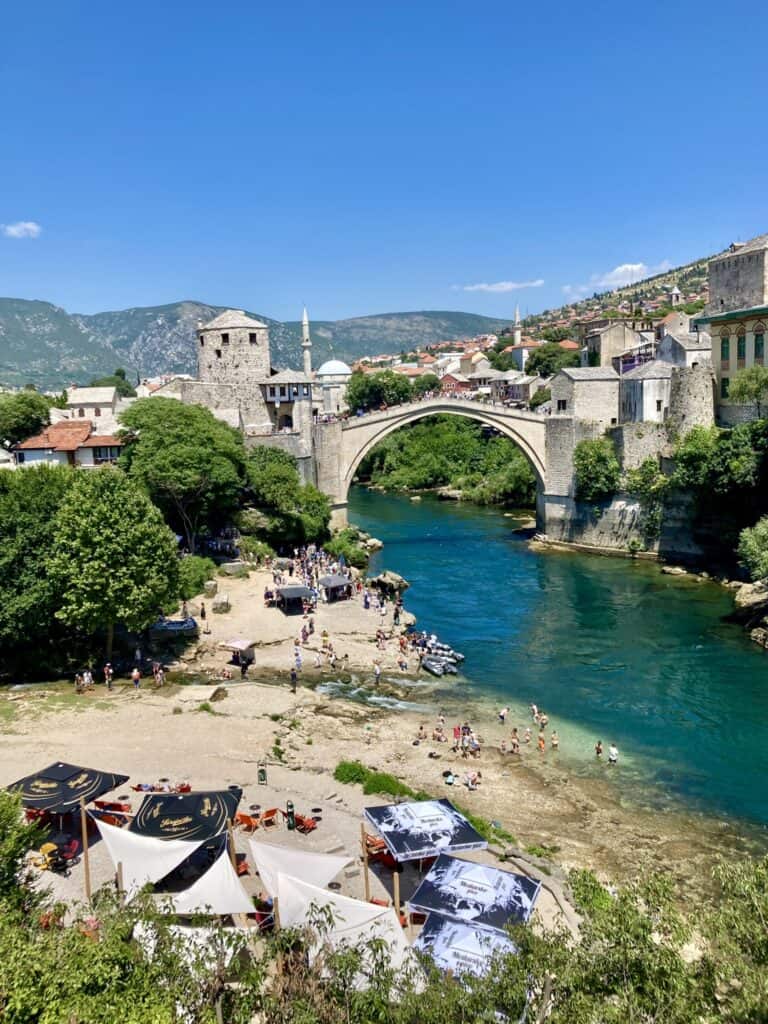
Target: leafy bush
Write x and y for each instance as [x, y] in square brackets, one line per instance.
[193, 572]
[753, 549]
[540, 397]
[650, 485]
[350, 772]
[597, 469]
[373, 390]
[345, 543]
[254, 550]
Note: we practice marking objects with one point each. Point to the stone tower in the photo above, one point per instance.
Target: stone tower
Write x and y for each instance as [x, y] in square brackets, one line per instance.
[233, 349]
[306, 344]
[517, 338]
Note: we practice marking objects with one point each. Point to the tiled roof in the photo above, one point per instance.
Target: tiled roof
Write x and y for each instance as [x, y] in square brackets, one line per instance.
[66, 436]
[571, 346]
[655, 370]
[91, 396]
[590, 372]
[103, 440]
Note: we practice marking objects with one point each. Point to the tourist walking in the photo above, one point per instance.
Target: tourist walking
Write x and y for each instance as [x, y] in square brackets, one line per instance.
[108, 676]
[542, 742]
[613, 754]
[294, 680]
[514, 742]
[599, 749]
[376, 672]
[203, 619]
[136, 677]
[555, 740]
[503, 715]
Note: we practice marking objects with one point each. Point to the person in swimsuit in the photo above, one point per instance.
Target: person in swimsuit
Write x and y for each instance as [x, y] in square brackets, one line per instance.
[555, 740]
[542, 742]
[599, 749]
[613, 754]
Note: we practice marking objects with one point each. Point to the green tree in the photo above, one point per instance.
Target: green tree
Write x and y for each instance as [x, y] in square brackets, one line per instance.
[750, 387]
[426, 382]
[555, 334]
[753, 549]
[115, 380]
[114, 560]
[597, 470]
[193, 573]
[540, 397]
[17, 838]
[547, 359]
[373, 390]
[29, 501]
[22, 415]
[191, 464]
[295, 513]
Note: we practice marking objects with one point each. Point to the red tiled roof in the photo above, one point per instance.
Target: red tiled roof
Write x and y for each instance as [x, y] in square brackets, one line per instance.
[65, 436]
[103, 440]
[572, 346]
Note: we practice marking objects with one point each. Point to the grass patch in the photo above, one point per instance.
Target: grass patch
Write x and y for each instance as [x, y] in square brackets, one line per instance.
[588, 894]
[208, 708]
[542, 850]
[309, 742]
[276, 717]
[294, 723]
[277, 751]
[177, 710]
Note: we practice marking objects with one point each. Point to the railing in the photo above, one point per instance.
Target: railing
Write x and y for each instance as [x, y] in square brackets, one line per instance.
[404, 407]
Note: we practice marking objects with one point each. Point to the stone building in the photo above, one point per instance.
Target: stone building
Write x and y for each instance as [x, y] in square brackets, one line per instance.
[737, 318]
[331, 387]
[605, 343]
[589, 393]
[644, 393]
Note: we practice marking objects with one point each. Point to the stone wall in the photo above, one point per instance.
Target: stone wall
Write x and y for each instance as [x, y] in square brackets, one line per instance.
[245, 356]
[691, 400]
[738, 281]
[636, 442]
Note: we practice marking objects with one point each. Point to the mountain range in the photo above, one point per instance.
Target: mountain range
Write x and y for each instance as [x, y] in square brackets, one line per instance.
[44, 345]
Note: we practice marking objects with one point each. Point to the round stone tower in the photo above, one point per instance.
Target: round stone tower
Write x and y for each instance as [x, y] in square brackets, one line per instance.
[233, 349]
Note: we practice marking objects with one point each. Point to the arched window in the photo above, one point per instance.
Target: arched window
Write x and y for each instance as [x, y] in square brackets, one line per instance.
[725, 348]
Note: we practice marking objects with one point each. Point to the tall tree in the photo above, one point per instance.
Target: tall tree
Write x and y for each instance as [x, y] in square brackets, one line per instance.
[114, 560]
[750, 387]
[192, 465]
[22, 415]
[549, 358]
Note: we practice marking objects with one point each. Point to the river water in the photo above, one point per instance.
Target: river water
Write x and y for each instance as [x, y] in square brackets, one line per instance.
[610, 648]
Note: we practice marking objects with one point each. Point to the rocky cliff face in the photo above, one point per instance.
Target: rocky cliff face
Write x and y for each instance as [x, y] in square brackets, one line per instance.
[44, 345]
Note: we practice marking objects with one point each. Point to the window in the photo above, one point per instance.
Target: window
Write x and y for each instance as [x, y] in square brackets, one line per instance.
[741, 347]
[19, 457]
[658, 405]
[97, 411]
[225, 339]
[725, 348]
[81, 412]
[218, 353]
[562, 405]
[614, 421]
[283, 391]
[724, 386]
[106, 453]
[295, 390]
[253, 337]
[306, 390]
[202, 341]
[759, 346]
[272, 392]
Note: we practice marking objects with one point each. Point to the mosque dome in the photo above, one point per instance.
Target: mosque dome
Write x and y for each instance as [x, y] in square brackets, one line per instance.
[334, 368]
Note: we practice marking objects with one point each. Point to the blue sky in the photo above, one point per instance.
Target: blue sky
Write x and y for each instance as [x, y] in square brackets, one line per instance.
[366, 158]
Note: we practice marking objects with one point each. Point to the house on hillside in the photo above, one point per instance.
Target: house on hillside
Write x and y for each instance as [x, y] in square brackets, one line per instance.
[687, 349]
[644, 392]
[454, 384]
[604, 344]
[69, 443]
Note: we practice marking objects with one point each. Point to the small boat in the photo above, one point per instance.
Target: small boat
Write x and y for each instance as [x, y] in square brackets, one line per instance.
[433, 666]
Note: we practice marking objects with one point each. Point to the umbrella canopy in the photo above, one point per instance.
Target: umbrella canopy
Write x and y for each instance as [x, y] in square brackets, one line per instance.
[238, 644]
[217, 891]
[425, 828]
[60, 787]
[475, 893]
[461, 948]
[316, 868]
[143, 858]
[190, 816]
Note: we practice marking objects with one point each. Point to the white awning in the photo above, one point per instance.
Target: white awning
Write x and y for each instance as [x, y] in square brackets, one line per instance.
[218, 891]
[316, 868]
[143, 858]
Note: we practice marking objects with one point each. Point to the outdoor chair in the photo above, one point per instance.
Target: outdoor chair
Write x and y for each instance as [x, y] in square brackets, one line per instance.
[69, 851]
[112, 805]
[270, 818]
[304, 824]
[246, 821]
[49, 858]
[241, 862]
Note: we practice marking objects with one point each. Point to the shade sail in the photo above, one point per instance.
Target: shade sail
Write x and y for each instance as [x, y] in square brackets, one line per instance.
[195, 816]
[238, 644]
[475, 893]
[144, 859]
[354, 922]
[459, 947]
[218, 891]
[316, 868]
[60, 787]
[424, 828]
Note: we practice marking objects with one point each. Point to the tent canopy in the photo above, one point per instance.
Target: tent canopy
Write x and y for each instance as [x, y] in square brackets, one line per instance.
[475, 893]
[316, 868]
[424, 828]
[60, 787]
[294, 592]
[459, 947]
[195, 816]
[143, 859]
[335, 582]
[217, 891]
[238, 644]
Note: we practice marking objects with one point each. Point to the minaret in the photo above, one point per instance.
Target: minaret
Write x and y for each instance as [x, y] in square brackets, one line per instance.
[306, 344]
[518, 335]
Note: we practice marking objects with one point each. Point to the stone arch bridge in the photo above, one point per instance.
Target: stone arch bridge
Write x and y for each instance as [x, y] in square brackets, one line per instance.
[340, 447]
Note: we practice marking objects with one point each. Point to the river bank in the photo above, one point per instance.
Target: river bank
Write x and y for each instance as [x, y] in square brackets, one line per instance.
[178, 733]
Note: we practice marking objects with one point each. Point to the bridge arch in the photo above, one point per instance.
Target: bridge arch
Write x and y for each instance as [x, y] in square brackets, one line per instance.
[359, 435]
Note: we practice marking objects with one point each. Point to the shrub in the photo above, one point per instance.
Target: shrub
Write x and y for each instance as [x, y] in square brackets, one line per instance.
[345, 543]
[753, 549]
[253, 550]
[193, 572]
[597, 470]
[540, 397]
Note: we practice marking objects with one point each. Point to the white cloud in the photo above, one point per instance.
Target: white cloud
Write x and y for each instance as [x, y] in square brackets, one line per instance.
[501, 286]
[621, 276]
[21, 229]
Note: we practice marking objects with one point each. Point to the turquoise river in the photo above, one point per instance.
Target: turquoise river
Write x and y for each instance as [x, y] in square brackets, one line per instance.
[610, 648]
